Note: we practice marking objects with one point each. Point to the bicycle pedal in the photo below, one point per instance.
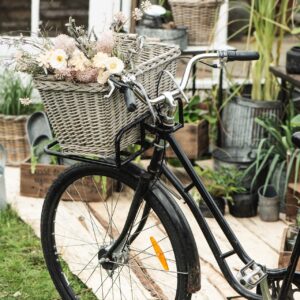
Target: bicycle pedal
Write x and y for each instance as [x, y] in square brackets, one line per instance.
[251, 275]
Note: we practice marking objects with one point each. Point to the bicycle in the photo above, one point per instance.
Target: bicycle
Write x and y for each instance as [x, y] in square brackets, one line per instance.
[136, 241]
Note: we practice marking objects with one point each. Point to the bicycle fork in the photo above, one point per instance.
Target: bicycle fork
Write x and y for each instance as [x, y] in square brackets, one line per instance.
[143, 186]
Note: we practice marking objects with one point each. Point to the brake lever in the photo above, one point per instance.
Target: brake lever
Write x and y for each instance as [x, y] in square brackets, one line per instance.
[177, 85]
[142, 89]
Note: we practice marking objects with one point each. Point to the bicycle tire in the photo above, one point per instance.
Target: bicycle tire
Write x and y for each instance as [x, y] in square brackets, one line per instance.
[49, 219]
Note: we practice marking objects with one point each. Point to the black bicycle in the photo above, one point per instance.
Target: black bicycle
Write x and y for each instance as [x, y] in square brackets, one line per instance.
[134, 242]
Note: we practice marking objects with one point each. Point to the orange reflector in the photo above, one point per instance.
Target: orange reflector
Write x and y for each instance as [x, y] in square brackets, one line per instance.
[160, 255]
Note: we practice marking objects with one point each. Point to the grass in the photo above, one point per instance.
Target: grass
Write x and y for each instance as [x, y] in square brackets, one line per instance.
[23, 273]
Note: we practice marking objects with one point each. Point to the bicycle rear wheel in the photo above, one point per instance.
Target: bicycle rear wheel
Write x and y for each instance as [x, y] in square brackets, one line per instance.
[83, 214]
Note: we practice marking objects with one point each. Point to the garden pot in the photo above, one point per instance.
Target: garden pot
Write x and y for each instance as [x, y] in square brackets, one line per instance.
[205, 210]
[239, 159]
[239, 129]
[244, 205]
[293, 60]
[177, 36]
[268, 205]
[278, 180]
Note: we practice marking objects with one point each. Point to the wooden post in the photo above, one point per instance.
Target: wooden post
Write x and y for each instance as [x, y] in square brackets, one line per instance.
[35, 17]
[101, 14]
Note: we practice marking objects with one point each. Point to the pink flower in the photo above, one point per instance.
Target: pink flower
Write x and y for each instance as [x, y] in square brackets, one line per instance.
[105, 42]
[65, 43]
[65, 74]
[87, 76]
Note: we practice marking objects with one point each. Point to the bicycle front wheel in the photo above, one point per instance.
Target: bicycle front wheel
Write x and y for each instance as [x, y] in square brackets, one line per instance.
[83, 213]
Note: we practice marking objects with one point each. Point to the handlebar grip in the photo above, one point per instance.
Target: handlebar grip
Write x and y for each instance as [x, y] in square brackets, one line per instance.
[129, 99]
[233, 55]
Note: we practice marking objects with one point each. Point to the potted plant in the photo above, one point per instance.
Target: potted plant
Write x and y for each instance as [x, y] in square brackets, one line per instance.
[238, 118]
[221, 184]
[277, 154]
[15, 107]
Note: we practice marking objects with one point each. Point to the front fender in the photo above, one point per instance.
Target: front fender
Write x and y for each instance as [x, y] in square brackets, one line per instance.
[181, 226]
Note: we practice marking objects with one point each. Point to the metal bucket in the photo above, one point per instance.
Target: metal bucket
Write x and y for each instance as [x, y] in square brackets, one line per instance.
[237, 158]
[2, 178]
[176, 36]
[268, 204]
[239, 128]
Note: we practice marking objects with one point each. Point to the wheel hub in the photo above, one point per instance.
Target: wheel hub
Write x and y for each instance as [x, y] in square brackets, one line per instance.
[117, 259]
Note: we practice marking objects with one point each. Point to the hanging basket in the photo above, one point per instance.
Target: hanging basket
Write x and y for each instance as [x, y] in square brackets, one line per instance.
[199, 16]
[84, 121]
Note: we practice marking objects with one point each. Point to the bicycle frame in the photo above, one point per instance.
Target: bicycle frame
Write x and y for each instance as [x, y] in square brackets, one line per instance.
[156, 166]
[212, 242]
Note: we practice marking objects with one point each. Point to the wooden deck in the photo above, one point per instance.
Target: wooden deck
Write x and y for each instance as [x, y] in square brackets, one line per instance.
[260, 239]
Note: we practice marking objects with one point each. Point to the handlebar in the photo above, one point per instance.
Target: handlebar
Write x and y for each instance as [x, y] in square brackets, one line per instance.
[224, 56]
[242, 55]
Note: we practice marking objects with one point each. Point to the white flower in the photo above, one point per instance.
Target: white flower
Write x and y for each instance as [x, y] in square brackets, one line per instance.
[25, 101]
[99, 60]
[137, 14]
[102, 76]
[114, 65]
[44, 59]
[120, 17]
[79, 61]
[58, 59]
[145, 5]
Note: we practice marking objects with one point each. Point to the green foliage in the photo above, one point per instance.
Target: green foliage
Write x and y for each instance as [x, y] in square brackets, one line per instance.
[268, 21]
[263, 14]
[213, 114]
[38, 150]
[22, 267]
[192, 112]
[222, 183]
[273, 150]
[11, 90]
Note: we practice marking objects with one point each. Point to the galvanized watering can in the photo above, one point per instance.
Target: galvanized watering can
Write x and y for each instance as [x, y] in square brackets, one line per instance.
[2, 178]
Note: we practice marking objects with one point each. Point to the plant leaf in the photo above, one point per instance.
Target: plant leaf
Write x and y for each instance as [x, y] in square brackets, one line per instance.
[271, 171]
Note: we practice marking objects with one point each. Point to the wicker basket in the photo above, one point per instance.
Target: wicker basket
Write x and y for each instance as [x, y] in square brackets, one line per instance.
[86, 123]
[13, 138]
[199, 16]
